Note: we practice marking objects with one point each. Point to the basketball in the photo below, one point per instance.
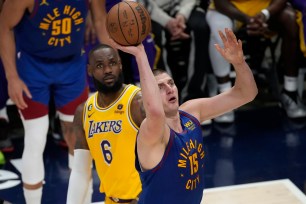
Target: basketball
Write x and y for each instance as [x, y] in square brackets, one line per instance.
[128, 23]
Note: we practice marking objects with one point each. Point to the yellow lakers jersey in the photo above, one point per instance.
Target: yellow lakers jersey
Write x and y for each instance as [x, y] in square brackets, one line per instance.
[111, 137]
[302, 34]
[251, 7]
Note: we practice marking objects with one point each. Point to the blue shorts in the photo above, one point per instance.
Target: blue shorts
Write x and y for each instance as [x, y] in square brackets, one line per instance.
[3, 87]
[63, 79]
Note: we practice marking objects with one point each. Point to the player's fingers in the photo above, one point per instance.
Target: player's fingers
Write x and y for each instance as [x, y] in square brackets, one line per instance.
[22, 103]
[232, 36]
[219, 49]
[240, 44]
[223, 38]
[87, 36]
[93, 36]
[27, 92]
[19, 102]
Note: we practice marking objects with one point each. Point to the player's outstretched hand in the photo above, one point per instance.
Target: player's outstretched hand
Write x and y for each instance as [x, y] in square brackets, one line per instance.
[133, 50]
[232, 50]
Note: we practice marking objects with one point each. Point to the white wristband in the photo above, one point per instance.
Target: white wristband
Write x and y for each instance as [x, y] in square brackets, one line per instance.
[266, 13]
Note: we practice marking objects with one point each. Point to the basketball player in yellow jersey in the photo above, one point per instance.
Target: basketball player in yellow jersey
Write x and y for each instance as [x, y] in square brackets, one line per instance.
[106, 127]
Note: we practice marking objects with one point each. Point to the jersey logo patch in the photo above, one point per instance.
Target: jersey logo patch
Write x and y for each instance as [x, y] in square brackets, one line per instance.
[119, 109]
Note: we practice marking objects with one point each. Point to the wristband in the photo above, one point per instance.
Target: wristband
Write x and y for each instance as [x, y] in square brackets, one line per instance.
[266, 13]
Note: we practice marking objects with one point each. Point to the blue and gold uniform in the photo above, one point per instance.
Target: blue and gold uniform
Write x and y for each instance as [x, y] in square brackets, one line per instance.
[111, 137]
[49, 43]
[181, 168]
[53, 25]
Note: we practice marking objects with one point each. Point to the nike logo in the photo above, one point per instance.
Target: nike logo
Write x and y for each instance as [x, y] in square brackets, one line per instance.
[89, 115]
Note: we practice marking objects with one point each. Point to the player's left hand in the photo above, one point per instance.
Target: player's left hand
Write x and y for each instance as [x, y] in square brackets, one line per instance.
[232, 50]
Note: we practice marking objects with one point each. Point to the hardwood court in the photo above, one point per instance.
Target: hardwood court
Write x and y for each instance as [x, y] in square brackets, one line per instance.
[269, 192]
[262, 145]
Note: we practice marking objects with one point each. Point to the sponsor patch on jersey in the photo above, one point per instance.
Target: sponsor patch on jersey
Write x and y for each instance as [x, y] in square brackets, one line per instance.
[119, 109]
[190, 125]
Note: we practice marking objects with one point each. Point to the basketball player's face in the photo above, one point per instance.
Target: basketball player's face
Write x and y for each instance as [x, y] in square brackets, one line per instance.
[106, 70]
[168, 92]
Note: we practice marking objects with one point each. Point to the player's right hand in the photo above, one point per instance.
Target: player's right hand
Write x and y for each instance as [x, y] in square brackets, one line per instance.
[90, 32]
[16, 88]
[133, 49]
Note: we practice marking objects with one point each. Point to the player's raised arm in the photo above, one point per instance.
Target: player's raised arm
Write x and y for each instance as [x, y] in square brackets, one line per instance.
[245, 85]
[98, 15]
[155, 116]
[152, 129]
[242, 92]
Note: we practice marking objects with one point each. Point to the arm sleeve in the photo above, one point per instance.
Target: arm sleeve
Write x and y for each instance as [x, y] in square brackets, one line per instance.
[186, 8]
[157, 14]
[80, 176]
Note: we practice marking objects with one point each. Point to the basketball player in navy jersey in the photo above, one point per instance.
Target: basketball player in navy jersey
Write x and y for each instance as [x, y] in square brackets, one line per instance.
[170, 147]
[41, 49]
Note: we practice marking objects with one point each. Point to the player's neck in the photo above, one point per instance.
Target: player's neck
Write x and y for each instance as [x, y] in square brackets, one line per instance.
[174, 122]
[106, 99]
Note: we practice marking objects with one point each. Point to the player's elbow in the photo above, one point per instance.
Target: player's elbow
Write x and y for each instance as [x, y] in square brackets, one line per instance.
[250, 94]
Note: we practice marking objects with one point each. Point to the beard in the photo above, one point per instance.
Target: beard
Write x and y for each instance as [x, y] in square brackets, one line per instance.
[102, 88]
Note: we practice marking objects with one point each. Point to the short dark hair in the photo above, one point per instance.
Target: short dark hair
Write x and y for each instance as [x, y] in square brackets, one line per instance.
[98, 47]
[101, 47]
[158, 71]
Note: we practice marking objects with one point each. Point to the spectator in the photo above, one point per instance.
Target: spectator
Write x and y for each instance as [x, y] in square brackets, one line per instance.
[41, 49]
[300, 7]
[259, 18]
[182, 20]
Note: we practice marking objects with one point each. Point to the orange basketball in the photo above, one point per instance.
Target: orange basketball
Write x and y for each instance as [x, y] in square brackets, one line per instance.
[128, 23]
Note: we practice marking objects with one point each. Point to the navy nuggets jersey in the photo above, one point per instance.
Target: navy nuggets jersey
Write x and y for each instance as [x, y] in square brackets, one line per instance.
[54, 29]
[179, 177]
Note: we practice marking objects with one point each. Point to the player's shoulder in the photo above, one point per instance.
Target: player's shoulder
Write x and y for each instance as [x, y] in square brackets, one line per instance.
[79, 109]
[20, 5]
[136, 91]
